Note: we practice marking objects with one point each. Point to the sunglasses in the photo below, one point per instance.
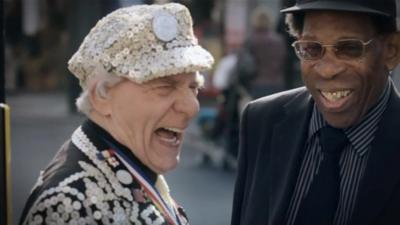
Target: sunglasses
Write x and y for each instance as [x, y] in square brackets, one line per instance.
[347, 49]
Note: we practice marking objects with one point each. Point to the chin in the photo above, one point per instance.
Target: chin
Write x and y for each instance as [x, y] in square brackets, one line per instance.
[161, 169]
[341, 124]
[340, 121]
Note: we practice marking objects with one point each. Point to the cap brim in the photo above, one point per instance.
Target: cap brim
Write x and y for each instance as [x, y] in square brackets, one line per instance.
[172, 62]
[333, 5]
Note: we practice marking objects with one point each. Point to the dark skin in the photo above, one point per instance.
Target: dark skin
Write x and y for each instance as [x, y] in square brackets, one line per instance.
[344, 90]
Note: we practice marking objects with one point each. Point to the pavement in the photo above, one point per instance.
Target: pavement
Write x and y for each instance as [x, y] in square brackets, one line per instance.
[40, 124]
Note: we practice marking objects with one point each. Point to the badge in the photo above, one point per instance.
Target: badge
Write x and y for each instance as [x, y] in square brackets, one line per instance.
[124, 177]
[165, 26]
[113, 162]
[138, 196]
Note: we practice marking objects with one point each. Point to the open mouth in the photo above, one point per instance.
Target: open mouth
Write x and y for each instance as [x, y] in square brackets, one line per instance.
[170, 135]
[336, 100]
[335, 95]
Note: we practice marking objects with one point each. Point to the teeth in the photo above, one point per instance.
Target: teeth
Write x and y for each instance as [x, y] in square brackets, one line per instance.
[173, 140]
[334, 96]
[176, 130]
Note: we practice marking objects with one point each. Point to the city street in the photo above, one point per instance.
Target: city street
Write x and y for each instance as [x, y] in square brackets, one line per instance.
[40, 124]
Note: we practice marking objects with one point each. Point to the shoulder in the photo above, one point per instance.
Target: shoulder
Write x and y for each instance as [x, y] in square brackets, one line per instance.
[260, 116]
[276, 102]
[91, 195]
[86, 190]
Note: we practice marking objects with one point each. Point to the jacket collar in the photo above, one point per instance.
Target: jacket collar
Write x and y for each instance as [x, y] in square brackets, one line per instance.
[289, 135]
[104, 141]
[381, 176]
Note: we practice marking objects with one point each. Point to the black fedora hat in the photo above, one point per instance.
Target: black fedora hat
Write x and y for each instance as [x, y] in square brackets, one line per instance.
[385, 8]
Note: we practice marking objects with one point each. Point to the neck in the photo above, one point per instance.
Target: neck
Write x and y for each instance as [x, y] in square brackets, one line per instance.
[106, 123]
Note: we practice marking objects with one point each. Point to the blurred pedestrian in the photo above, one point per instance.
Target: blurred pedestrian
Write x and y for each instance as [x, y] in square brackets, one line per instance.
[327, 153]
[258, 71]
[138, 68]
[221, 81]
[223, 71]
[225, 127]
[268, 49]
[13, 43]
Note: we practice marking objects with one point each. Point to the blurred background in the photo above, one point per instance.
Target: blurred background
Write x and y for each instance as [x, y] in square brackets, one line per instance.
[41, 35]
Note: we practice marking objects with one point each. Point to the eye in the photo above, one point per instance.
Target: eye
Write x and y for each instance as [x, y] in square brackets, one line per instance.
[163, 89]
[164, 86]
[350, 48]
[311, 49]
[195, 88]
[308, 49]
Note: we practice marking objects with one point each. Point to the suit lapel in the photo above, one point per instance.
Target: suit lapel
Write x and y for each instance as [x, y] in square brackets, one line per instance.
[288, 141]
[381, 175]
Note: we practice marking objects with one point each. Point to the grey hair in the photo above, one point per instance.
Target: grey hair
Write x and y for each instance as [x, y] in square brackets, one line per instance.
[102, 80]
[294, 23]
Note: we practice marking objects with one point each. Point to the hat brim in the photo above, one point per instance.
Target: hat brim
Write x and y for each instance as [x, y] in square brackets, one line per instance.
[333, 5]
[172, 62]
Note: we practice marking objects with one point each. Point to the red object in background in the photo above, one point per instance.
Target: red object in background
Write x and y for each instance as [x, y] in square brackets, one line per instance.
[209, 92]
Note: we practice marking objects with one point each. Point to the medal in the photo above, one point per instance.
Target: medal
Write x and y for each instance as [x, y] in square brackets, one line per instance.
[126, 177]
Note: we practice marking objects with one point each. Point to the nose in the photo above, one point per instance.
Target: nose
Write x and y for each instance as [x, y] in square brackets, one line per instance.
[187, 104]
[329, 66]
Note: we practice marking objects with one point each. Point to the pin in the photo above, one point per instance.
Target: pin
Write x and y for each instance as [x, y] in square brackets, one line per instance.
[113, 162]
[100, 156]
[124, 177]
[139, 196]
[165, 26]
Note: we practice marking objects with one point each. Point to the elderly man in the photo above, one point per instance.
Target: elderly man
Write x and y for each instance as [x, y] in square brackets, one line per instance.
[327, 153]
[139, 71]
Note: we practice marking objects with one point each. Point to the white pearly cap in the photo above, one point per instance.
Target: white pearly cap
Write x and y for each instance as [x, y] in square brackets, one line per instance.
[141, 43]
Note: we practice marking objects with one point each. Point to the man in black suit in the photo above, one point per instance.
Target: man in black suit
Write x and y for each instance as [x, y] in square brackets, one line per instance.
[329, 152]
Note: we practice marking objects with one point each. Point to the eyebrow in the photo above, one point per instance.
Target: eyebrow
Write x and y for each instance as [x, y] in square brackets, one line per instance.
[173, 81]
[168, 80]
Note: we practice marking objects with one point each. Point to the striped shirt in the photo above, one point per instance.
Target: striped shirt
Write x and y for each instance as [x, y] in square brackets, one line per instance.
[352, 163]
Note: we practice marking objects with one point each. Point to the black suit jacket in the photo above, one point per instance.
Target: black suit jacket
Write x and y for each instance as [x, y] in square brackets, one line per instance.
[273, 134]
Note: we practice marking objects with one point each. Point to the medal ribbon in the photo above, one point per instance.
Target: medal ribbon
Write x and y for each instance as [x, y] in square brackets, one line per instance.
[169, 213]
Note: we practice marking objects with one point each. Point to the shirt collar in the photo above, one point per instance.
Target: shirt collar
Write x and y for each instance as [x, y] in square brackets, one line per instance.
[100, 137]
[367, 126]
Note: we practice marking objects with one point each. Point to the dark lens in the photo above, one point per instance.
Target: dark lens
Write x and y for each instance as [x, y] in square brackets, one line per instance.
[308, 50]
[349, 49]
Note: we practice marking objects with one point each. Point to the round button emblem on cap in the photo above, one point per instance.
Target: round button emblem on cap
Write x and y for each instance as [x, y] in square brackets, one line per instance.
[165, 26]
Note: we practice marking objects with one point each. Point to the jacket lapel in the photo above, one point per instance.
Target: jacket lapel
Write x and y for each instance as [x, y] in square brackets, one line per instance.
[381, 175]
[288, 142]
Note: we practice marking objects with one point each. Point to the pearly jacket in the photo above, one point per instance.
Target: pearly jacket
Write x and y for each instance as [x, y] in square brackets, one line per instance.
[85, 185]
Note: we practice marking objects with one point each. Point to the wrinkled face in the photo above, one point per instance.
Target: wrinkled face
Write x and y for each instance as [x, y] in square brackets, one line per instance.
[151, 118]
[343, 90]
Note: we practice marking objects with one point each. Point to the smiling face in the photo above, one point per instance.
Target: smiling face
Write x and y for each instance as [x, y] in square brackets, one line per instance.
[343, 90]
[150, 118]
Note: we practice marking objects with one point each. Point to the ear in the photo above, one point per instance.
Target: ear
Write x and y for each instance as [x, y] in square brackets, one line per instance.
[100, 103]
[392, 51]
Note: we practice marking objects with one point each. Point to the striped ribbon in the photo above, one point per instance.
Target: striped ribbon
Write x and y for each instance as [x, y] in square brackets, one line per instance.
[169, 211]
